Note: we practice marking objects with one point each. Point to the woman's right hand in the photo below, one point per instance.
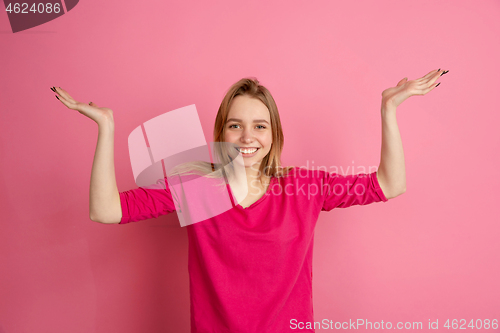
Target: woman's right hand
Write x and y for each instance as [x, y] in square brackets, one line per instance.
[90, 110]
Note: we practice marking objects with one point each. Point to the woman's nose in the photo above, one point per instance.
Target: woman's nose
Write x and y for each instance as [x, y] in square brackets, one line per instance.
[247, 136]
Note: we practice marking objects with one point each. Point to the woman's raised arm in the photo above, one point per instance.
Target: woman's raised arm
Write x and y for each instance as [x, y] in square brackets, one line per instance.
[104, 201]
[391, 173]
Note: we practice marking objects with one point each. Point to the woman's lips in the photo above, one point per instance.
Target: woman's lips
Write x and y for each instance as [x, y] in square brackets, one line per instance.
[248, 155]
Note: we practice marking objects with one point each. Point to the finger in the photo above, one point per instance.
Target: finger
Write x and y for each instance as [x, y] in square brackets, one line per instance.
[63, 93]
[429, 75]
[430, 80]
[427, 90]
[434, 78]
[403, 81]
[65, 102]
[93, 104]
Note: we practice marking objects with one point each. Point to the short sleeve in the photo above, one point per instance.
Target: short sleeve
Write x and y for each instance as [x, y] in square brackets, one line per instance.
[146, 203]
[345, 191]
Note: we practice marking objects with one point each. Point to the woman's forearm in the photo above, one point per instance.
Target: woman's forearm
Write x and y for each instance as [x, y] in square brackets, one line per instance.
[104, 200]
[391, 172]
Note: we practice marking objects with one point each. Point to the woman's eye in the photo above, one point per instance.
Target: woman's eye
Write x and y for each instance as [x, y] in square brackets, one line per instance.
[259, 126]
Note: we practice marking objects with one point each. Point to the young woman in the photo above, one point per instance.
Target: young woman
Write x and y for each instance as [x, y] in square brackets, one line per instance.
[250, 267]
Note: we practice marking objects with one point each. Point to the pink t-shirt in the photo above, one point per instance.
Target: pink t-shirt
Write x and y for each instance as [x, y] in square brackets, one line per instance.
[250, 269]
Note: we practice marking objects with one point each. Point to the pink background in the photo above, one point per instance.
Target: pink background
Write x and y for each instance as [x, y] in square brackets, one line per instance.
[432, 253]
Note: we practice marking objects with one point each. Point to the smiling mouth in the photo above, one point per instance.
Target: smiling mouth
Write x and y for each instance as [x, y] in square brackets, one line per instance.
[247, 151]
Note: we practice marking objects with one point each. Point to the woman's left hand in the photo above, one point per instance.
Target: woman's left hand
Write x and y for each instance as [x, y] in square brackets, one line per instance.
[394, 96]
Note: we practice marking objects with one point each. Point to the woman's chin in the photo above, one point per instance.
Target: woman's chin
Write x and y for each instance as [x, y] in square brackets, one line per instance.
[252, 165]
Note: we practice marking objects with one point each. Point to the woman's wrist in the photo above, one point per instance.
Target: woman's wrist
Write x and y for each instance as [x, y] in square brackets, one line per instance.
[106, 123]
[387, 107]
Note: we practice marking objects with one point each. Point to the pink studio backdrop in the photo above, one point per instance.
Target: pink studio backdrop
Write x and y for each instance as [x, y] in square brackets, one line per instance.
[430, 254]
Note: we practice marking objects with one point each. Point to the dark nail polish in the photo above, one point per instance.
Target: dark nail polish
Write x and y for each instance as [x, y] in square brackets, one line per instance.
[57, 97]
[438, 84]
[52, 89]
[439, 69]
[443, 73]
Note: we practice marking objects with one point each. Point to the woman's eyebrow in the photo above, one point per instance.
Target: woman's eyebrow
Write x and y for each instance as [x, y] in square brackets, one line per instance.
[255, 120]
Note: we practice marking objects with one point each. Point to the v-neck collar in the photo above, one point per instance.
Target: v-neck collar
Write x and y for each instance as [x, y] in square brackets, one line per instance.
[262, 198]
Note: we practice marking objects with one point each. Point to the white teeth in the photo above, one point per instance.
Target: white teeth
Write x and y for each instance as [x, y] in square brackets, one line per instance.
[249, 151]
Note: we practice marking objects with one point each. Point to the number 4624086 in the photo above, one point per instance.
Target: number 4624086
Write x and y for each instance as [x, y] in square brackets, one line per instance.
[35, 8]
[477, 324]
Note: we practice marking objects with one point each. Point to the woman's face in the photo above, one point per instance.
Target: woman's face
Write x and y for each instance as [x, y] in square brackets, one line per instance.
[248, 126]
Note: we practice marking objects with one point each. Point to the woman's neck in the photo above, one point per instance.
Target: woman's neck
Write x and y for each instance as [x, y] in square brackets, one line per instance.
[254, 180]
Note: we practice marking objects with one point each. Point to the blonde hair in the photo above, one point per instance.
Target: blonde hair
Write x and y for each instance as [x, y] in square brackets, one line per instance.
[271, 163]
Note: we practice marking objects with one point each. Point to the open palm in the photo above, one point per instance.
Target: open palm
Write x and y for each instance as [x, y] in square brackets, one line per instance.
[394, 96]
[91, 110]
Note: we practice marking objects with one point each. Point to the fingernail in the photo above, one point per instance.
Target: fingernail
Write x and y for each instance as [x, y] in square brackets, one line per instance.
[90, 103]
[438, 84]
[52, 89]
[57, 97]
[439, 69]
[444, 73]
